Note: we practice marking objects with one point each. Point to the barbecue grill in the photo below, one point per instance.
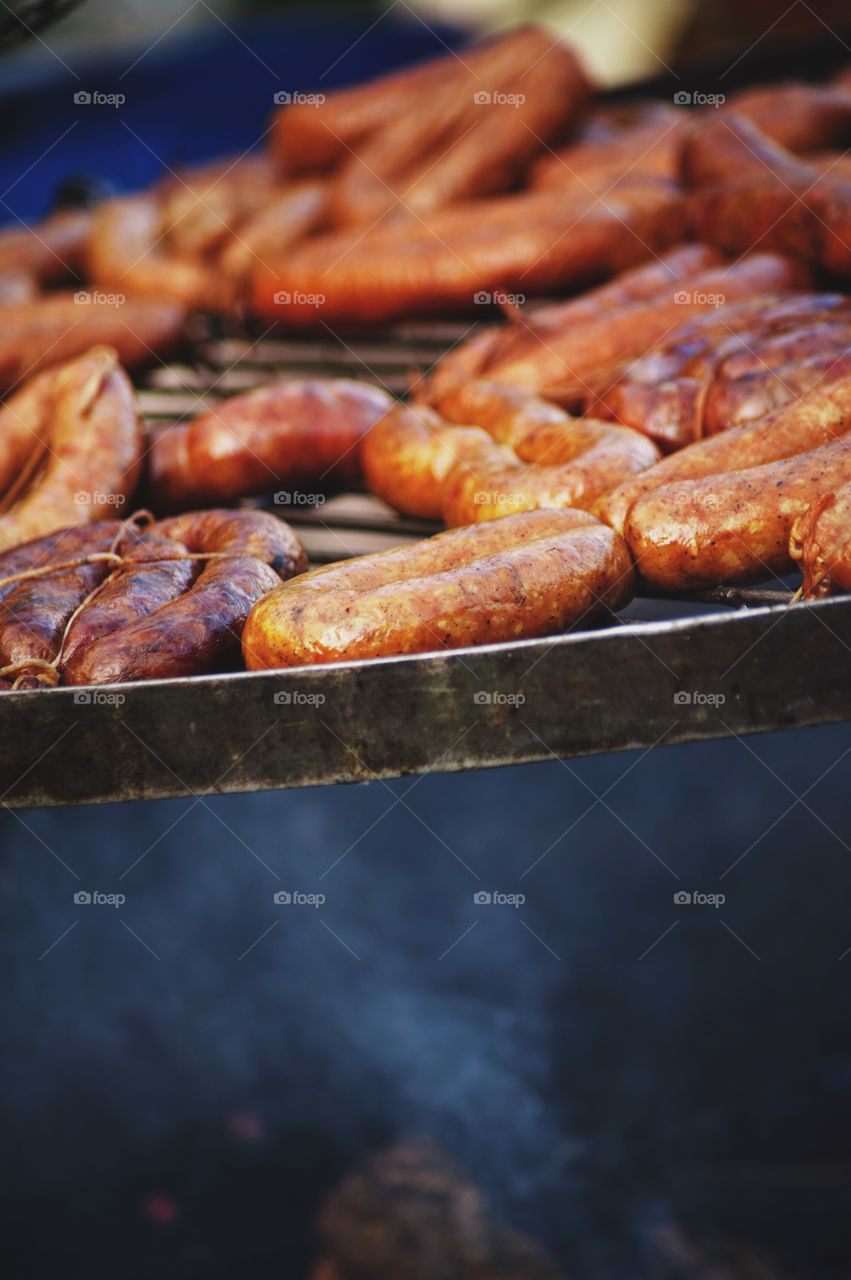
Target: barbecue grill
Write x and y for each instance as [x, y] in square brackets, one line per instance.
[663, 671]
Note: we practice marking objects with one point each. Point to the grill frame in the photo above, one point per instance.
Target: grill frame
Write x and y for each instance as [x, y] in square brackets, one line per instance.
[609, 689]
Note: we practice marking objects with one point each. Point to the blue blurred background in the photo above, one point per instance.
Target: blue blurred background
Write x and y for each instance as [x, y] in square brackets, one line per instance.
[186, 1075]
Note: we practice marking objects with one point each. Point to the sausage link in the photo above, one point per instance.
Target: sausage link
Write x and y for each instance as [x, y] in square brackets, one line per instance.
[289, 433]
[141, 585]
[565, 360]
[52, 251]
[408, 454]
[531, 574]
[815, 420]
[731, 527]
[57, 327]
[35, 611]
[88, 451]
[517, 242]
[486, 349]
[569, 465]
[201, 629]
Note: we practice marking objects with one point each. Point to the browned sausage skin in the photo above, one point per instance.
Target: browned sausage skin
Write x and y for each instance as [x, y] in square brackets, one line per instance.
[731, 527]
[531, 574]
[818, 418]
[199, 630]
[77, 446]
[290, 433]
[821, 543]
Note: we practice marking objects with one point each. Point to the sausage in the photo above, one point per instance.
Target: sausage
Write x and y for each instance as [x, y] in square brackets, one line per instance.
[731, 148]
[486, 349]
[473, 135]
[413, 121]
[731, 527]
[788, 208]
[141, 585]
[731, 402]
[821, 542]
[87, 454]
[650, 147]
[408, 454]
[201, 629]
[35, 611]
[532, 574]
[689, 384]
[801, 117]
[52, 250]
[565, 360]
[201, 209]
[57, 327]
[289, 433]
[529, 455]
[284, 220]
[527, 241]
[807, 424]
[126, 254]
[568, 464]
[16, 287]
[310, 137]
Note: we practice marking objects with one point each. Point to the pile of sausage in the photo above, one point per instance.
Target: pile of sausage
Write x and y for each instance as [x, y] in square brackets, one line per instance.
[686, 423]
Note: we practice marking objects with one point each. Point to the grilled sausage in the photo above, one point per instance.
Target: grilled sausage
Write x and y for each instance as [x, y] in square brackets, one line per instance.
[408, 129]
[127, 254]
[731, 527]
[86, 451]
[564, 361]
[200, 630]
[485, 350]
[531, 574]
[815, 420]
[446, 259]
[35, 611]
[652, 146]
[786, 207]
[473, 135]
[289, 433]
[801, 117]
[141, 585]
[567, 464]
[56, 327]
[408, 454]
[821, 543]
[51, 251]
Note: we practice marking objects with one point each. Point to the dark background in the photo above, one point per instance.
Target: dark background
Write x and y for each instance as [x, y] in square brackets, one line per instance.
[178, 1091]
